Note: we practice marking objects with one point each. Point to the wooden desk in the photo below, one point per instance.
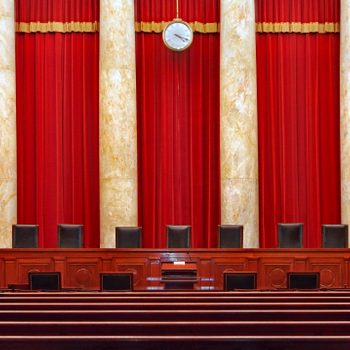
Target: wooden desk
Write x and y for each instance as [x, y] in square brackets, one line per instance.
[80, 268]
[182, 276]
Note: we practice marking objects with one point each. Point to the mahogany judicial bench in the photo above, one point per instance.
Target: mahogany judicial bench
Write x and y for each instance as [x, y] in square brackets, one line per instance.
[152, 317]
[80, 268]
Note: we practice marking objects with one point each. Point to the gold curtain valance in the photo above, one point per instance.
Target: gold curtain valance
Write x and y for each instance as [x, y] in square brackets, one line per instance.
[59, 27]
[297, 27]
[157, 27]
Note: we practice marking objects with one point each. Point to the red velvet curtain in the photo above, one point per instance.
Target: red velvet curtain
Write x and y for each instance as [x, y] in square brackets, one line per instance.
[57, 120]
[178, 126]
[298, 117]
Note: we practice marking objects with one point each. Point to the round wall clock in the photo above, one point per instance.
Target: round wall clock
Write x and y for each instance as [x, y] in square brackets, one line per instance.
[178, 35]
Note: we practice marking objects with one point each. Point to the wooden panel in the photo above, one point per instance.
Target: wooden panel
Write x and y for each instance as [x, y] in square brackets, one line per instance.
[137, 266]
[32, 265]
[82, 273]
[331, 271]
[226, 265]
[205, 274]
[2, 274]
[273, 274]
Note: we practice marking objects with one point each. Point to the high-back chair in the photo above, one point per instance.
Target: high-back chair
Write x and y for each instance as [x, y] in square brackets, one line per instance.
[290, 235]
[335, 236]
[25, 236]
[178, 236]
[230, 236]
[128, 237]
[70, 236]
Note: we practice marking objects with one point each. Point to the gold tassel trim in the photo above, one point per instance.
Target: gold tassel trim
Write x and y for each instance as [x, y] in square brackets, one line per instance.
[298, 27]
[58, 27]
[157, 27]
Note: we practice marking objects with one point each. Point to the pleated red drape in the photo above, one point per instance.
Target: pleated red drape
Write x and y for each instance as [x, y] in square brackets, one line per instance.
[298, 117]
[57, 120]
[178, 126]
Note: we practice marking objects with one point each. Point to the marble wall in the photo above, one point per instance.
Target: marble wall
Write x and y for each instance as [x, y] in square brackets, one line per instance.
[8, 183]
[239, 157]
[118, 141]
[345, 109]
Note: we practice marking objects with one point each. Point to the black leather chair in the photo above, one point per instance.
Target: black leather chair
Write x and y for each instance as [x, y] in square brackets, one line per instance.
[25, 236]
[178, 236]
[128, 237]
[230, 236]
[48, 281]
[70, 236]
[303, 280]
[290, 235]
[116, 281]
[335, 236]
[240, 280]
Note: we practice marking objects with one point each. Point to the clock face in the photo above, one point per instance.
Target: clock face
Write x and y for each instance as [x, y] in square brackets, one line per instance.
[177, 35]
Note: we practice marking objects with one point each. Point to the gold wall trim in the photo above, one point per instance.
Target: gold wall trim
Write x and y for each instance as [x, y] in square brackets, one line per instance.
[297, 27]
[157, 27]
[59, 27]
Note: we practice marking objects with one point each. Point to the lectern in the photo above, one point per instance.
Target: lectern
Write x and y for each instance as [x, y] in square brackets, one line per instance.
[179, 276]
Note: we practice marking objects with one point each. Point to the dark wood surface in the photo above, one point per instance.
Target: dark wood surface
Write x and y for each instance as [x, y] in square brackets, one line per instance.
[80, 268]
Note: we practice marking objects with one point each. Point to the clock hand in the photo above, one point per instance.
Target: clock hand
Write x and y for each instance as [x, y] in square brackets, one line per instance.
[181, 37]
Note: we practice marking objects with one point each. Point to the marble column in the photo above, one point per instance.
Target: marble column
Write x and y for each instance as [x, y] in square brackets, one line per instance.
[118, 139]
[345, 110]
[8, 173]
[239, 156]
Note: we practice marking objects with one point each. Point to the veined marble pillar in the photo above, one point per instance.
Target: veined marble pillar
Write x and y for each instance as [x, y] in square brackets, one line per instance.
[8, 173]
[118, 139]
[239, 152]
[345, 109]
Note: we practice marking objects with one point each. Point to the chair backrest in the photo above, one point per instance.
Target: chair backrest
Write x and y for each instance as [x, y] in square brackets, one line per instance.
[303, 280]
[128, 237]
[50, 281]
[334, 236]
[70, 236]
[290, 235]
[230, 236]
[240, 280]
[116, 281]
[178, 236]
[25, 236]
